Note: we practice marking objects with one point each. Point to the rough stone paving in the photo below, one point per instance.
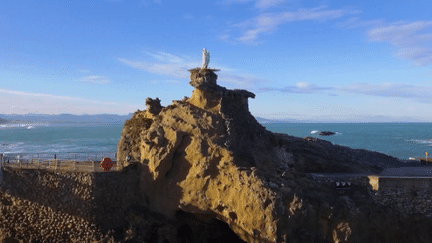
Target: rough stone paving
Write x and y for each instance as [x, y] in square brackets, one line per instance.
[204, 170]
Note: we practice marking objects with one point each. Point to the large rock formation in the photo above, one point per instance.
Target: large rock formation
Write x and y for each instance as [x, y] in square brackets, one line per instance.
[207, 155]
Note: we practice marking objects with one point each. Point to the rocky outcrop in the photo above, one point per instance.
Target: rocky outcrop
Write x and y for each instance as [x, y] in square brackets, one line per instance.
[3, 121]
[326, 133]
[207, 156]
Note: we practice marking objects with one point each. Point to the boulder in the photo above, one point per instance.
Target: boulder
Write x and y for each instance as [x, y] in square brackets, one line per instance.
[207, 156]
[326, 133]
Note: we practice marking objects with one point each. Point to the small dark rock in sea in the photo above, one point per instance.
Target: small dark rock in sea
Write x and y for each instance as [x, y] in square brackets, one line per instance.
[326, 133]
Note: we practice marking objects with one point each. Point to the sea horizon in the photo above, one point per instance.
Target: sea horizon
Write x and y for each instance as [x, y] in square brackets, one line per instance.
[400, 140]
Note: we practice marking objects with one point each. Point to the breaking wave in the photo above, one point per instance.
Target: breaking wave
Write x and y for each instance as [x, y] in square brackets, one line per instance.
[422, 141]
[23, 125]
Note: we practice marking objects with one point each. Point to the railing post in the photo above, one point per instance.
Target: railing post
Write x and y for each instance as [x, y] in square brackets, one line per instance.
[94, 169]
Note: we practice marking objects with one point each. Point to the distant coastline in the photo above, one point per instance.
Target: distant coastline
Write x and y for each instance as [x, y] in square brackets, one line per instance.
[14, 118]
[113, 118]
[4, 121]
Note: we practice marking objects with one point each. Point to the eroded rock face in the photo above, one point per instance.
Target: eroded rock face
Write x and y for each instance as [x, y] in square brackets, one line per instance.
[207, 155]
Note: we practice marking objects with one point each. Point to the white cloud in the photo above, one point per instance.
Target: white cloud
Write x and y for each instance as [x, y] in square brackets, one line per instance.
[355, 22]
[243, 81]
[268, 22]
[167, 69]
[409, 42]
[263, 4]
[224, 37]
[422, 94]
[166, 57]
[19, 102]
[95, 80]
[84, 71]
[177, 67]
[229, 2]
[417, 93]
[301, 88]
[260, 4]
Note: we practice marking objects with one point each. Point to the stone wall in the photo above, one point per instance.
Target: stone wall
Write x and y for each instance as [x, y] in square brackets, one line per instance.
[51, 206]
[407, 195]
[386, 182]
[406, 200]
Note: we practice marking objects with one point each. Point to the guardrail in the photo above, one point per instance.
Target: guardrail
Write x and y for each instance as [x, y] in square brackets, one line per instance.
[83, 164]
[95, 155]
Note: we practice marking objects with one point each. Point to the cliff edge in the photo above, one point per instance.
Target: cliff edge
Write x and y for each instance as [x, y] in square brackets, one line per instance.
[208, 156]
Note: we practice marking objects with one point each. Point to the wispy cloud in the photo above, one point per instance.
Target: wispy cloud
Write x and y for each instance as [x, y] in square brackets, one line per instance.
[176, 70]
[95, 80]
[409, 42]
[25, 94]
[260, 4]
[356, 22]
[269, 22]
[229, 2]
[19, 102]
[166, 57]
[417, 93]
[176, 66]
[263, 4]
[84, 71]
[421, 94]
[300, 88]
[147, 3]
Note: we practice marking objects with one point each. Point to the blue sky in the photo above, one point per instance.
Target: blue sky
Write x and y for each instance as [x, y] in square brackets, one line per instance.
[350, 61]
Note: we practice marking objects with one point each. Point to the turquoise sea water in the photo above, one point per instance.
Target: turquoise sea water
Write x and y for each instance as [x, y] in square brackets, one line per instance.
[401, 140]
[59, 138]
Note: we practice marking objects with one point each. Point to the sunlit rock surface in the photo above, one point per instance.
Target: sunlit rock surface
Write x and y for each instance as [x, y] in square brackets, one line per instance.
[208, 156]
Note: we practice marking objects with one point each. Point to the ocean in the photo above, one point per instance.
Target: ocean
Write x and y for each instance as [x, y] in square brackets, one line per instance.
[401, 140]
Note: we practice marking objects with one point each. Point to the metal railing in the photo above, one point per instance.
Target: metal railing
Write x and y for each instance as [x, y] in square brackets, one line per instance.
[70, 161]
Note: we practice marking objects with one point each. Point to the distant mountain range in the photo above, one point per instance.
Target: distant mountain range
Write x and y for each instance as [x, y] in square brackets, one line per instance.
[264, 120]
[3, 121]
[112, 118]
[64, 118]
[92, 118]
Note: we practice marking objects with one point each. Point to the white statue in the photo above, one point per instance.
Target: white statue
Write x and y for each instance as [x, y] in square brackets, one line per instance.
[205, 58]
